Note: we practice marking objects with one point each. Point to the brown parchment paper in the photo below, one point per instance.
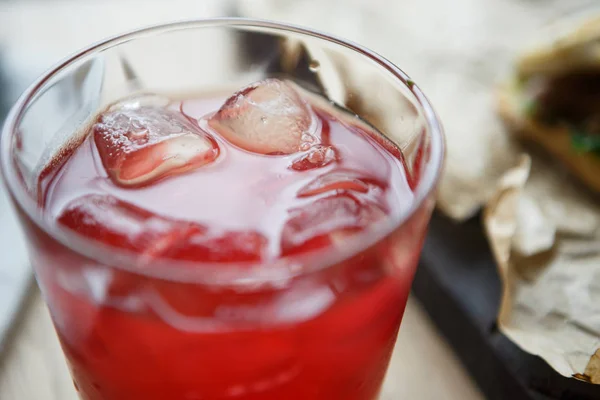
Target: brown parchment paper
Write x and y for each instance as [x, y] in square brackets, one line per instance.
[544, 231]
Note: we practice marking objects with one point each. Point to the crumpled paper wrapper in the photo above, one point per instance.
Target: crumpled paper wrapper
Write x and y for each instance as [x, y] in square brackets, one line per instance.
[543, 228]
[544, 232]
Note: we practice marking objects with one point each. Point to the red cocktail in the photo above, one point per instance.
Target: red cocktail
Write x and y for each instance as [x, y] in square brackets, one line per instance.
[221, 246]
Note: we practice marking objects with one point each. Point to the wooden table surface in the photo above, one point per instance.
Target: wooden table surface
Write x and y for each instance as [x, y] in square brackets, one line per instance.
[423, 366]
[32, 366]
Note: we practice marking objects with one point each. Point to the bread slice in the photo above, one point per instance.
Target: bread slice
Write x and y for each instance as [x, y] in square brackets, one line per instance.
[577, 47]
[556, 140]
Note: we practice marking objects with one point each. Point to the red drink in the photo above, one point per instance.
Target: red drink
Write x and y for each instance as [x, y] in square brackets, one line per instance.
[181, 181]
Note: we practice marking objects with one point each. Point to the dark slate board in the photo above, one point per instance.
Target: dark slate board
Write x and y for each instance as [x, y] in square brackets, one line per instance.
[458, 285]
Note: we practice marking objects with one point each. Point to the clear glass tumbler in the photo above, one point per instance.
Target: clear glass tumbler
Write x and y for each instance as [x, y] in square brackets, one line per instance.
[321, 326]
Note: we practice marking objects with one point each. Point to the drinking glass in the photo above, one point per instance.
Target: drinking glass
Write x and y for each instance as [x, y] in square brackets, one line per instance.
[316, 326]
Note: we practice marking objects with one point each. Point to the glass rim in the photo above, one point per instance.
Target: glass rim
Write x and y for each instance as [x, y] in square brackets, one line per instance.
[220, 273]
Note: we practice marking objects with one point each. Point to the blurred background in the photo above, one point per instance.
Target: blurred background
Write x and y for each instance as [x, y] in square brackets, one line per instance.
[435, 41]
[455, 50]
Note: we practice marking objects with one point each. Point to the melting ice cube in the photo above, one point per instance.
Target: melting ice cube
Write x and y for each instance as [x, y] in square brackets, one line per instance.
[335, 181]
[232, 246]
[117, 223]
[316, 157]
[267, 117]
[139, 144]
[320, 222]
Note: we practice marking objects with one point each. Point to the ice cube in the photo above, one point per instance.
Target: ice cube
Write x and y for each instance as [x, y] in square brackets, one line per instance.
[323, 221]
[340, 180]
[267, 117]
[229, 246]
[117, 223]
[316, 157]
[140, 144]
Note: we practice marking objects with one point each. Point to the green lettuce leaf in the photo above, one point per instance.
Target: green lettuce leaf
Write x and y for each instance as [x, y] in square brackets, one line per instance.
[585, 142]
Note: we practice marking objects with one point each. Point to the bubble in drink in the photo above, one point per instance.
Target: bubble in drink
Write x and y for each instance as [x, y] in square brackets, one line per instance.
[267, 117]
[139, 144]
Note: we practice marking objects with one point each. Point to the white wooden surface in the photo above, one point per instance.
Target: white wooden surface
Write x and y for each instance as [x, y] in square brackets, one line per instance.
[423, 366]
[15, 273]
